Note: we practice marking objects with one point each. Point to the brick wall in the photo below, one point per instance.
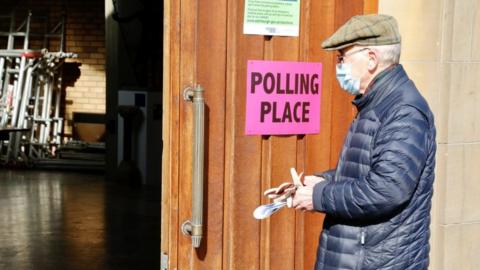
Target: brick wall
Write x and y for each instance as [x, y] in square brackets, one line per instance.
[85, 35]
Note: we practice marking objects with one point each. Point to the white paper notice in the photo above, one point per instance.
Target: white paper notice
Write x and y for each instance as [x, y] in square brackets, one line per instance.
[272, 17]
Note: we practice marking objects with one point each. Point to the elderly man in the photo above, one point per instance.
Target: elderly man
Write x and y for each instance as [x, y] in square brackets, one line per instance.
[377, 200]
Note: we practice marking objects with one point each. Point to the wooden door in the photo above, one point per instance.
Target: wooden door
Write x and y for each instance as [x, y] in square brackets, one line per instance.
[204, 44]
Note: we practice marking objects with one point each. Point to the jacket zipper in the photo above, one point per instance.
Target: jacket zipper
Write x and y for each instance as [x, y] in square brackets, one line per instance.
[362, 237]
[362, 248]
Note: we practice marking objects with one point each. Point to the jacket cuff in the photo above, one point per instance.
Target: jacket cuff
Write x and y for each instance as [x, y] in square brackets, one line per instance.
[327, 175]
[318, 195]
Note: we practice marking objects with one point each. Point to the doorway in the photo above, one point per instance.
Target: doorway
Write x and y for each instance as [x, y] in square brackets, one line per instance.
[205, 45]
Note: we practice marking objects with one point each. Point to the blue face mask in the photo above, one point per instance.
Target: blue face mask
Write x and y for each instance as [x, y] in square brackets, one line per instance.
[347, 82]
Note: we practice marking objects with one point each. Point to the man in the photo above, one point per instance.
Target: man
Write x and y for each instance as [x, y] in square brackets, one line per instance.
[377, 200]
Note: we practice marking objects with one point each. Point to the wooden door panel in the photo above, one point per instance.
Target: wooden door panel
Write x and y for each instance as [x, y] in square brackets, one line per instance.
[279, 230]
[243, 153]
[188, 62]
[211, 70]
[171, 131]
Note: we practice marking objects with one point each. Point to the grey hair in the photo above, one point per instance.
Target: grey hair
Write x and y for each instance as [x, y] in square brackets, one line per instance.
[388, 54]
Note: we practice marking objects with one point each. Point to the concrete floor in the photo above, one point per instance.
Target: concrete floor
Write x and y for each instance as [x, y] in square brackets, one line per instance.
[71, 220]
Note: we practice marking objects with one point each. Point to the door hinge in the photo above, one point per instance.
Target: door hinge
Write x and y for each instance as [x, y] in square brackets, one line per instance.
[164, 261]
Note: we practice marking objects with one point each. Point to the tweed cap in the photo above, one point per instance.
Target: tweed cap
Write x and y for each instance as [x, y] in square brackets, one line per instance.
[364, 30]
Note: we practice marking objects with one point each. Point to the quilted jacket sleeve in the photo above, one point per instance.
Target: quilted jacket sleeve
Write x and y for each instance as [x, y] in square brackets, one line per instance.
[398, 157]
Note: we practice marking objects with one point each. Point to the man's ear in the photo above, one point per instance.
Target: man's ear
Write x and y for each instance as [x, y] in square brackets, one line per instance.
[372, 61]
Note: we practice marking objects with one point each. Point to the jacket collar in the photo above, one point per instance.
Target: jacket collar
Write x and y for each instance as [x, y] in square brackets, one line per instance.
[380, 87]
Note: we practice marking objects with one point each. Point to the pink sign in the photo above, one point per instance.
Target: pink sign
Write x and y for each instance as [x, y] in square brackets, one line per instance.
[283, 97]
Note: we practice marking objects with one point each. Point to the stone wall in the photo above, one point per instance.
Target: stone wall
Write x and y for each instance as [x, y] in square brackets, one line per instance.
[441, 53]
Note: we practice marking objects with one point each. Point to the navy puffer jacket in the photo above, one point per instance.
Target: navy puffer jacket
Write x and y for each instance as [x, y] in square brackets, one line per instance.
[378, 199]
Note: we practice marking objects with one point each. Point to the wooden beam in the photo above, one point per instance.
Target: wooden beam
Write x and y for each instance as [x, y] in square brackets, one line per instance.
[370, 6]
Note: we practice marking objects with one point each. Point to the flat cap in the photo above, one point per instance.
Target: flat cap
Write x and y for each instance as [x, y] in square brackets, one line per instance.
[364, 30]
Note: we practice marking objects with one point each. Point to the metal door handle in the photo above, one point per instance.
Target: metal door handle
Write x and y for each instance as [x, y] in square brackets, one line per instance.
[194, 226]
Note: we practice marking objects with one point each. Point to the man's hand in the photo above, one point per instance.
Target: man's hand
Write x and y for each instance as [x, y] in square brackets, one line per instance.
[302, 199]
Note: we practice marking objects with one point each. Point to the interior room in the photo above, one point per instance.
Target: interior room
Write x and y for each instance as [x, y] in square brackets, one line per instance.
[80, 131]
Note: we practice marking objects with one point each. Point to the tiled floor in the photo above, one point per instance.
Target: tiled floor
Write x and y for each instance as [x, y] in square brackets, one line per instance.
[71, 220]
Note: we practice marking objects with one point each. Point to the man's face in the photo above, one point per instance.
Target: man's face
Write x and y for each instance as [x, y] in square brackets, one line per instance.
[358, 57]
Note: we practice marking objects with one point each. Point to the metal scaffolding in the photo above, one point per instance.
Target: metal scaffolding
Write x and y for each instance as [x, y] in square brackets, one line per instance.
[31, 125]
